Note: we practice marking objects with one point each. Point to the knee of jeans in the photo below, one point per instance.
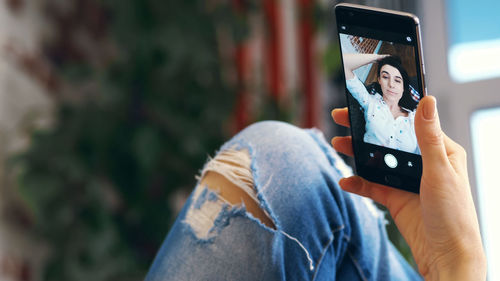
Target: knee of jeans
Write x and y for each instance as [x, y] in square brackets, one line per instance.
[280, 131]
[225, 189]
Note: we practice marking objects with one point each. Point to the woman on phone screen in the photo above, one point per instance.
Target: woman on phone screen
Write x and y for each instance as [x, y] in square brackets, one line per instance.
[389, 112]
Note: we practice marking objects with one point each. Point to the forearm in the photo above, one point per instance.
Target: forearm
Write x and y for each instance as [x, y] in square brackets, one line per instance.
[355, 61]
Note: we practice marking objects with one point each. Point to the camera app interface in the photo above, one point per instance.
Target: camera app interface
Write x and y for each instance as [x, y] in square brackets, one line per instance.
[383, 89]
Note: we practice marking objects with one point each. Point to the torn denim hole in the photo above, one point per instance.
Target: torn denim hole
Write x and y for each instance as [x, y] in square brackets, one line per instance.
[202, 213]
[234, 165]
[210, 212]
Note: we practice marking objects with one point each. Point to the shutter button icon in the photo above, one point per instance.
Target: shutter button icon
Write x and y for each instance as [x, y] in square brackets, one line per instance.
[390, 160]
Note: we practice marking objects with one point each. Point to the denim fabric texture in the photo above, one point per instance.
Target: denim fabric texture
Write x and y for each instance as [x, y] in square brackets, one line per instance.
[321, 232]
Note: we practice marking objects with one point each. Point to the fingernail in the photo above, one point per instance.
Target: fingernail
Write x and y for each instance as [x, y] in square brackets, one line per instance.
[430, 109]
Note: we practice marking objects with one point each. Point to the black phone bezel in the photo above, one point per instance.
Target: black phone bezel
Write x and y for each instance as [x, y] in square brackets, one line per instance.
[368, 158]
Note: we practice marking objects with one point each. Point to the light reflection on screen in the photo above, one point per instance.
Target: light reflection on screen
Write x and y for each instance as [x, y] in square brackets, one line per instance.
[485, 127]
[474, 38]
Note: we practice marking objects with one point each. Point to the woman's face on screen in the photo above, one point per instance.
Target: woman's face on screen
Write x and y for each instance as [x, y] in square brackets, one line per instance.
[391, 82]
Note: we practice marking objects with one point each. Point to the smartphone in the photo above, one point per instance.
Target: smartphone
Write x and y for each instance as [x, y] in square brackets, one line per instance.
[384, 81]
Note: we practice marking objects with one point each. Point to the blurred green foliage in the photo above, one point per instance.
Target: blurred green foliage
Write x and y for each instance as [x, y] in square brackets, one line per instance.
[98, 181]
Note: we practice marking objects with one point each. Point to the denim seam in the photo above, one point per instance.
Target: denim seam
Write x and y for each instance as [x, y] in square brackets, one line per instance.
[325, 249]
[358, 267]
[332, 156]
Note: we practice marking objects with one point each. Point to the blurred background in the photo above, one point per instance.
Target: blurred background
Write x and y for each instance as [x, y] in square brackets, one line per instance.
[108, 109]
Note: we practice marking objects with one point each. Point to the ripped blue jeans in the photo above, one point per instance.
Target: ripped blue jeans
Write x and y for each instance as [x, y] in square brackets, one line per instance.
[320, 232]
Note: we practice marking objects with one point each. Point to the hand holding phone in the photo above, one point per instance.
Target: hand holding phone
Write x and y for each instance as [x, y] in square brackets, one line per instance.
[440, 225]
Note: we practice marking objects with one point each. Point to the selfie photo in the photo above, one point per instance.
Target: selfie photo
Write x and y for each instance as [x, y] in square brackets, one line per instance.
[383, 94]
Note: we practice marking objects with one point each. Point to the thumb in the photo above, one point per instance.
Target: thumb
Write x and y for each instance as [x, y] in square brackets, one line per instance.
[429, 135]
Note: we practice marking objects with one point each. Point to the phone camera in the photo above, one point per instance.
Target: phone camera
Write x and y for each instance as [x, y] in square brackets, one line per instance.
[408, 38]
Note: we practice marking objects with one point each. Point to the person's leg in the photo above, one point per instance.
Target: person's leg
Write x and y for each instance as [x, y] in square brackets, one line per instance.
[238, 188]
[296, 224]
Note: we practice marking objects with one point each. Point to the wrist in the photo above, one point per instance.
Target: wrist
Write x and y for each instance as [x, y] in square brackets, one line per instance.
[472, 266]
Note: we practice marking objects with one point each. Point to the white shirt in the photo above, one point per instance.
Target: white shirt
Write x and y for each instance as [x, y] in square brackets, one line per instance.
[381, 127]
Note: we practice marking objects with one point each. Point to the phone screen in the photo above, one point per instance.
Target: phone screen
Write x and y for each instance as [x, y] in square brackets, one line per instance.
[383, 88]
